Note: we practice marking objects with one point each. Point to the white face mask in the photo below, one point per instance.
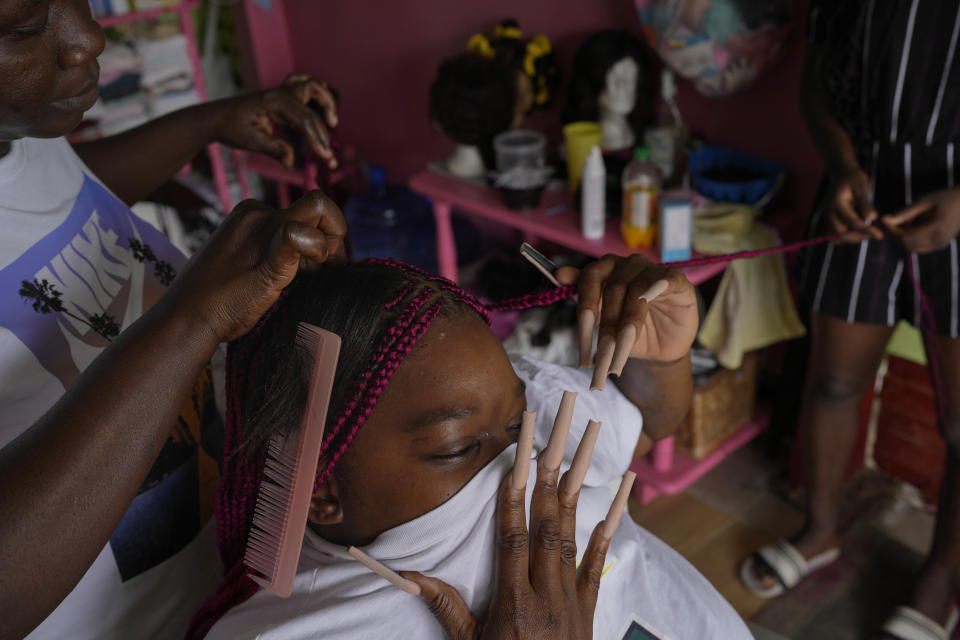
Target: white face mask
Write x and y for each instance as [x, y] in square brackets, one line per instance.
[620, 93]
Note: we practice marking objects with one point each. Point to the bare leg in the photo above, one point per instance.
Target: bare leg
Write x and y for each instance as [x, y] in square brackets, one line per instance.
[937, 582]
[843, 363]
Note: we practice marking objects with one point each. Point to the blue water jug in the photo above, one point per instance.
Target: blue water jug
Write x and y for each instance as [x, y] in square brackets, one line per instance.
[391, 221]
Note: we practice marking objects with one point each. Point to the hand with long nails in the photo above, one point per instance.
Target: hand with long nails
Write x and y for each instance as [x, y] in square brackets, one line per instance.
[539, 592]
[641, 310]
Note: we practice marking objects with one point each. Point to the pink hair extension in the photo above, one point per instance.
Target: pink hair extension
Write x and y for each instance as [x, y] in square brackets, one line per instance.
[237, 491]
[443, 283]
[394, 333]
[404, 292]
[534, 299]
[382, 379]
[374, 375]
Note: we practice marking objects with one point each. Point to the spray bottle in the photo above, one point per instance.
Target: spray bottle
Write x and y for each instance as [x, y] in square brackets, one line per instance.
[593, 188]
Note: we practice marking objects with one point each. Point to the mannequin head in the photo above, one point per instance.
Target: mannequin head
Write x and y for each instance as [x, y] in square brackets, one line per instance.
[619, 94]
[533, 60]
[488, 90]
[613, 83]
[472, 99]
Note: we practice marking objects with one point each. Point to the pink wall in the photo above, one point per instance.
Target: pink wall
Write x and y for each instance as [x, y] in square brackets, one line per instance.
[381, 56]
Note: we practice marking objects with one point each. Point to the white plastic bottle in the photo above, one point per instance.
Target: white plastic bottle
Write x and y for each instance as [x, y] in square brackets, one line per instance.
[593, 187]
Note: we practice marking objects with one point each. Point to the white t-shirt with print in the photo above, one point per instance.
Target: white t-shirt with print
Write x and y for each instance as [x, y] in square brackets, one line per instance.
[648, 591]
[65, 233]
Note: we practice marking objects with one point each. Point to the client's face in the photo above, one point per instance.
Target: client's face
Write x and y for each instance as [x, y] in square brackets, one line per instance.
[452, 405]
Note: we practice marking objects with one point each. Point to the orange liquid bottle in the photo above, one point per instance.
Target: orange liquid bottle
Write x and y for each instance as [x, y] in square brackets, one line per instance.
[641, 187]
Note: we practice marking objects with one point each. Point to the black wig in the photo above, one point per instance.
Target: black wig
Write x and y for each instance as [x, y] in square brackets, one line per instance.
[591, 63]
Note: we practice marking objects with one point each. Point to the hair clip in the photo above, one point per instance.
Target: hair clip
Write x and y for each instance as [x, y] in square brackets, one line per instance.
[543, 264]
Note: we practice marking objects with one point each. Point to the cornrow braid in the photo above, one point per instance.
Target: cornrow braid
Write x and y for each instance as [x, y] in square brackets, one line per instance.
[443, 283]
[532, 300]
[398, 338]
[406, 315]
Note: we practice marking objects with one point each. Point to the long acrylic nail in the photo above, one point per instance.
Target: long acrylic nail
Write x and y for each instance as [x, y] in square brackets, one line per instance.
[385, 572]
[612, 521]
[521, 465]
[601, 365]
[581, 460]
[587, 319]
[655, 290]
[553, 454]
[625, 342]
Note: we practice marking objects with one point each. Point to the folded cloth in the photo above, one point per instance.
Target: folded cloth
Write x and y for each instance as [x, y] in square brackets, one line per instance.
[753, 307]
[164, 59]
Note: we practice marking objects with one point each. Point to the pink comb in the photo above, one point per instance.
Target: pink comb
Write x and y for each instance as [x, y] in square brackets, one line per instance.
[280, 517]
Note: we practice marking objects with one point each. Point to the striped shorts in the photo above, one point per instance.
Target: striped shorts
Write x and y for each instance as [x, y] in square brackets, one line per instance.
[874, 282]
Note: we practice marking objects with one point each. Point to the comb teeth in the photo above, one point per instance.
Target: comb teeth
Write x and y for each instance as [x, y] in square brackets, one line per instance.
[307, 336]
[273, 505]
[283, 501]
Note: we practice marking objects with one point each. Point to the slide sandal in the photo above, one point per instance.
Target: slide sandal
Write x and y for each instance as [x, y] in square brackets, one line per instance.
[787, 564]
[907, 623]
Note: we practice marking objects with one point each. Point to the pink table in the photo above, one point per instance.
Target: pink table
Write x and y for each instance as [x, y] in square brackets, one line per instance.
[562, 228]
[664, 471]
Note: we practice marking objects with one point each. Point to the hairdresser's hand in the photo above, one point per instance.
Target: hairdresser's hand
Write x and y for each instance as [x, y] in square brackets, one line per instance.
[254, 254]
[930, 223]
[610, 295]
[538, 594]
[851, 208]
[248, 122]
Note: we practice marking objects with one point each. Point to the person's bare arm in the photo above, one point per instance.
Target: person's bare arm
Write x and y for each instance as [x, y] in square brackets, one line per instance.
[136, 162]
[69, 478]
[661, 390]
[831, 140]
[851, 205]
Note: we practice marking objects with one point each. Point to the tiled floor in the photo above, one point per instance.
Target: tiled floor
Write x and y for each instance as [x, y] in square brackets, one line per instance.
[731, 511]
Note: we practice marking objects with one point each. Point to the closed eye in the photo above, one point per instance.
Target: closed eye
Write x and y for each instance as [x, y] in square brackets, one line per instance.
[30, 32]
[460, 453]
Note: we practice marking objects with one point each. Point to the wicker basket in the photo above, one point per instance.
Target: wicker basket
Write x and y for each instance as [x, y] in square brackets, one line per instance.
[721, 405]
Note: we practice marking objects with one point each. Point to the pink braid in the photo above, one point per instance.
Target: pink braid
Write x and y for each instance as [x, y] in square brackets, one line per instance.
[383, 377]
[392, 335]
[240, 479]
[534, 299]
[443, 283]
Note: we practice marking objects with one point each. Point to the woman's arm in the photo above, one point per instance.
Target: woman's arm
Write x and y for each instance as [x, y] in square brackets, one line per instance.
[68, 479]
[134, 163]
[831, 139]
[851, 203]
[661, 390]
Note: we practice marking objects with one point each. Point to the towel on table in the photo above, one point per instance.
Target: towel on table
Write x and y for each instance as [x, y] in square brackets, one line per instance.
[753, 307]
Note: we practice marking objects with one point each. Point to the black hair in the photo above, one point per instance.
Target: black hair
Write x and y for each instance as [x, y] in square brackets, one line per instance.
[591, 63]
[473, 99]
[533, 58]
